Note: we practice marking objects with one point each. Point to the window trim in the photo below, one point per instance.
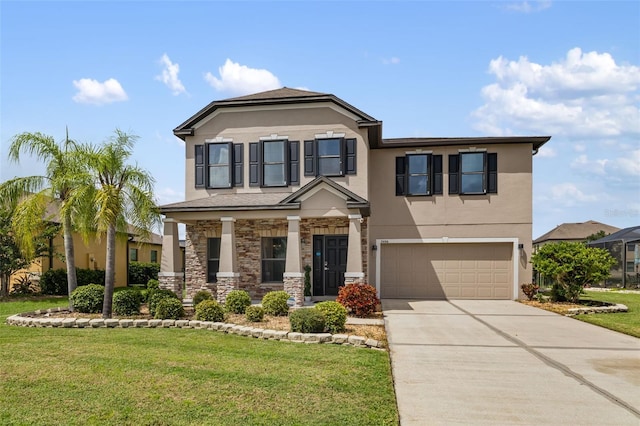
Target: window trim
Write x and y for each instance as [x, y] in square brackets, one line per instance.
[229, 164]
[272, 260]
[427, 174]
[482, 173]
[341, 156]
[212, 259]
[285, 163]
[489, 173]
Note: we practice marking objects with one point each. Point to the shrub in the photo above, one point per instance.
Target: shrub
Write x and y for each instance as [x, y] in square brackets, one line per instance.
[254, 313]
[23, 286]
[169, 308]
[209, 310]
[88, 299]
[275, 303]
[360, 299]
[153, 284]
[140, 272]
[200, 296]
[155, 296]
[127, 302]
[530, 290]
[307, 320]
[237, 301]
[54, 281]
[335, 316]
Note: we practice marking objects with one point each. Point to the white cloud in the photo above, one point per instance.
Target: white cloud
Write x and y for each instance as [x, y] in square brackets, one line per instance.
[169, 195]
[624, 168]
[528, 7]
[584, 95]
[579, 147]
[241, 80]
[93, 92]
[391, 61]
[568, 194]
[169, 75]
[547, 152]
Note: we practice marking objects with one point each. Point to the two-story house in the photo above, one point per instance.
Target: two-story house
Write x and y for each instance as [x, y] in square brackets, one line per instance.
[287, 178]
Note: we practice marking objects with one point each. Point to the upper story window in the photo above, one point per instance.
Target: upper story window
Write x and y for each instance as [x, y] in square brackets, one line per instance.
[218, 165]
[419, 174]
[274, 163]
[473, 173]
[333, 156]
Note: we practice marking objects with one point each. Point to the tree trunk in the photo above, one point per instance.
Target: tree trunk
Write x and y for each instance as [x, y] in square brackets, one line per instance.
[70, 257]
[110, 272]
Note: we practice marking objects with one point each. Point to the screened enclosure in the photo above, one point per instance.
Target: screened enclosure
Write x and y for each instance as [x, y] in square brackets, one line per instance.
[624, 246]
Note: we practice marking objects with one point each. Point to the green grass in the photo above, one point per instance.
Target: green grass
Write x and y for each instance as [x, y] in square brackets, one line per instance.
[624, 322]
[183, 377]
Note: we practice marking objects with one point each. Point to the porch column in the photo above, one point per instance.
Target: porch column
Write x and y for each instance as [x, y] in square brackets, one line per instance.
[227, 276]
[293, 278]
[171, 276]
[354, 272]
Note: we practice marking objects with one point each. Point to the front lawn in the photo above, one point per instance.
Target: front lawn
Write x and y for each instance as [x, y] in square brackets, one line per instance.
[624, 322]
[183, 377]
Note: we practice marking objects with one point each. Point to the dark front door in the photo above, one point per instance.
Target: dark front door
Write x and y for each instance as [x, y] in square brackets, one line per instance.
[329, 263]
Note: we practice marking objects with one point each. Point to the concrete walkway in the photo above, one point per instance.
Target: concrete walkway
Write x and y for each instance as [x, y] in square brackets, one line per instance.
[501, 362]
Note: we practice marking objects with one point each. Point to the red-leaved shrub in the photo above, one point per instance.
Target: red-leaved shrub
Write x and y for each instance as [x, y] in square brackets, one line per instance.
[359, 299]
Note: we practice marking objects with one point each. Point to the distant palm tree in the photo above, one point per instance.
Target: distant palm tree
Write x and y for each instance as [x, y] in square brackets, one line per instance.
[29, 197]
[122, 194]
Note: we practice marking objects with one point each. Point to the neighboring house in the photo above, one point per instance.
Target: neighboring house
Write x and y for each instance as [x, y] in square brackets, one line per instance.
[93, 254]
[624, 246]
[574, 232]
[286, 178]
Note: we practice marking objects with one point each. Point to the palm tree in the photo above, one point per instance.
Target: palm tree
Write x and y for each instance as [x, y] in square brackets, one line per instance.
[122, 194]
[30, 196]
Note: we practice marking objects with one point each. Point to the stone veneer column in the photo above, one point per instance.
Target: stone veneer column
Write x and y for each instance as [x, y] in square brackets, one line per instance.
[170, 275]
[354, 272]
[227, 276]
[293, 277]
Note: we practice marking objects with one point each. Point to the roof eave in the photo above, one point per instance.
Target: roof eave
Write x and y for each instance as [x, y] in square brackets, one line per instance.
[290, 206]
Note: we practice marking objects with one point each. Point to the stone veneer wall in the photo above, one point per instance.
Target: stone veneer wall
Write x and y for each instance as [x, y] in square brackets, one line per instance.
[248, 235]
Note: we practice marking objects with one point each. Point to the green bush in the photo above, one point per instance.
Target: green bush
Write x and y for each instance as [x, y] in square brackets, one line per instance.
[361, 299]
[23, 286]
[254, 313]
[335, 316]
[169, 308]
[54, 281]
[88, 299]
[200, 296]
[275, 303]
[237, 301]
[140, 272]
[153, 284]
[155, 296]
[209, 310]
[127, 302]
[307, 320]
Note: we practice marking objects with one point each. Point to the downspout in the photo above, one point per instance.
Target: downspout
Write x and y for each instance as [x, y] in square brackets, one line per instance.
[129, 239]
[535, 151]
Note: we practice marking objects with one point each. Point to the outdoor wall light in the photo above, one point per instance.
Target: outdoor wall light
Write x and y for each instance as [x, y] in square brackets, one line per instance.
[374, 247]
[520, 246]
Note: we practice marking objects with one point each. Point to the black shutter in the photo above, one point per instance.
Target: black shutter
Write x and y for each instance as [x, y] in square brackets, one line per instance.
[454, 176]
[309, 158]
[254, 164]
[492, 173]
[294, 163]
[351, 157]
[238, 158]
[199, 164]
[436, 174]
[401, 177]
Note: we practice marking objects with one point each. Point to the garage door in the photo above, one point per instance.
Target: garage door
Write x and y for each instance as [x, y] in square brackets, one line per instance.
[447, 271]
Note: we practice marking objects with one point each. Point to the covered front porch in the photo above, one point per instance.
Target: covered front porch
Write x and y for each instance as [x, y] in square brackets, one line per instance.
[266, 248]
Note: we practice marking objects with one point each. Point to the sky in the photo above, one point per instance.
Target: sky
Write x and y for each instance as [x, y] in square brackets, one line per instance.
[567, 69]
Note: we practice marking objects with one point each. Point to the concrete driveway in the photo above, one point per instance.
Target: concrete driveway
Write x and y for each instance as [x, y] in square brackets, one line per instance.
[502, 362]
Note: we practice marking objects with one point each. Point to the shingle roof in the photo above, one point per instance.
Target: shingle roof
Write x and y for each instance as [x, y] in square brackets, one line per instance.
[575, 231]
[284, 92]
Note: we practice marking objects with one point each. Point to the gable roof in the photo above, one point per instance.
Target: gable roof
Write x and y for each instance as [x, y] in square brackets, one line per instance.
[575, 231]
[282, 96]
[265, 201]
[625, 235]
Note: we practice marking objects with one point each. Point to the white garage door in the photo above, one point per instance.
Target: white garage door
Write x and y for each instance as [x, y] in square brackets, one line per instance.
[447, 271]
